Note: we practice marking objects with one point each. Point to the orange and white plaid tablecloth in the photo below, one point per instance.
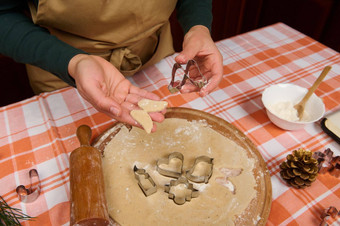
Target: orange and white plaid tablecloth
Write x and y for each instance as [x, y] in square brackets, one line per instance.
[39, 133]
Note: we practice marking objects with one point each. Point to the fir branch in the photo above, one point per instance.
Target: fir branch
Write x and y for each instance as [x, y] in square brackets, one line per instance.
[10, 215]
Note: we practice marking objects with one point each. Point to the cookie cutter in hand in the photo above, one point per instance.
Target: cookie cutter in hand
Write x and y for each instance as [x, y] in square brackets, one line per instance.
[139, 174]
[176, 86]
[184, 196]
[203, 176]
[30, 194]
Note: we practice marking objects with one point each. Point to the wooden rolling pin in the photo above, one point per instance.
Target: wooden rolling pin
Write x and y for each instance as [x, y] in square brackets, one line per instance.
[88, 203]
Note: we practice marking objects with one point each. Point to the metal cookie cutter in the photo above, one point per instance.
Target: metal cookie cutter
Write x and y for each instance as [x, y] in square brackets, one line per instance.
[203, 174]
[175, 86]
[175, 173]
[186, 193]
[327, 162]
[330, 212]
[30, 194]
[149, 186]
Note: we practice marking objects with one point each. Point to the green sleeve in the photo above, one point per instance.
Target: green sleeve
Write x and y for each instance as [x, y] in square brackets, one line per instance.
[28, 43]
[194, 12]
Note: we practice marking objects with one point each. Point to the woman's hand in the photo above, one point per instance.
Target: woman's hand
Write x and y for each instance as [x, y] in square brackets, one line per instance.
[101, 84]
[199, 46]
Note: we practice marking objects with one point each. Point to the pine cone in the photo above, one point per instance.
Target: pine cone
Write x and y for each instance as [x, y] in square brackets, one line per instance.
[300, 169]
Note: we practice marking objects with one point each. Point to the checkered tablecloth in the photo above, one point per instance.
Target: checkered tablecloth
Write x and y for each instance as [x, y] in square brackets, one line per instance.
[39, 133]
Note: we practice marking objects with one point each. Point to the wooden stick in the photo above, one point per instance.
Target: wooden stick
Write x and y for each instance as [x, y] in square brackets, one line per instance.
[300, 107]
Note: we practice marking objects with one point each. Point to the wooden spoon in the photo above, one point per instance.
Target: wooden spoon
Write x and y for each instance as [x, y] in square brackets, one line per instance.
[300, 107]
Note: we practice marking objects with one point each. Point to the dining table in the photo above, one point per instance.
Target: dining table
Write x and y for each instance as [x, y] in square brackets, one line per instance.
[40, 132]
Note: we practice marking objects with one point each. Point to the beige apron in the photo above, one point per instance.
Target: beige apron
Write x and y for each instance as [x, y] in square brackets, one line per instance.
[131, 34]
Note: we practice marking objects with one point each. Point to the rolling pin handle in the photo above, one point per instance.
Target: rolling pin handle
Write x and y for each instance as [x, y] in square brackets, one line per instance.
[84, 134]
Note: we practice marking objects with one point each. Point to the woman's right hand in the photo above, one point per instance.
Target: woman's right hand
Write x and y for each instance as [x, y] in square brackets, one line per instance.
[102, 85]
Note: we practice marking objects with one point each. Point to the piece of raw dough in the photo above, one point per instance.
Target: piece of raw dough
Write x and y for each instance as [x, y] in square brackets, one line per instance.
[143, 118]
[152, 105]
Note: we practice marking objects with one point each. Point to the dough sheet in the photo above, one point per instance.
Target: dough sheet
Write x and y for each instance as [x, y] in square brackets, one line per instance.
[215, 205]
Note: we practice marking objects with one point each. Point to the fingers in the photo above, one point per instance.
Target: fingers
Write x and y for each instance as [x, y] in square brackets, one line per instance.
[195, 41]
[143, 93]
[128, 99]
[188, 52]
[189, 88]
[133, 98]
[216, 74]
[210, 86]
[122, 90]
[127, 118]
[199, 45]
[129, 106]
[101, 102]
[108, 91]
[157, 116]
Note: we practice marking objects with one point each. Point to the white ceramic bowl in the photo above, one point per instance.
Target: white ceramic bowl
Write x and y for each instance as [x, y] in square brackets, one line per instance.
[314, 108]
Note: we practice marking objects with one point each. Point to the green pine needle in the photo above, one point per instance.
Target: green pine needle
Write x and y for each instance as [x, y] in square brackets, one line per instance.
[10, 215]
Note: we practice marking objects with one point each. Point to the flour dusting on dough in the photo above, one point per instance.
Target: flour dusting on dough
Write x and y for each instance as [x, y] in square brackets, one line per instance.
[216, 204]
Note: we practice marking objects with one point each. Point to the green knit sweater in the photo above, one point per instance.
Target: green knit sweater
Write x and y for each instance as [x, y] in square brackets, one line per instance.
[28, 43]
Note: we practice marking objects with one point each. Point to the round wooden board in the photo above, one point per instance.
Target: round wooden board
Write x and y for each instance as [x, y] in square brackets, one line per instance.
[260, 205]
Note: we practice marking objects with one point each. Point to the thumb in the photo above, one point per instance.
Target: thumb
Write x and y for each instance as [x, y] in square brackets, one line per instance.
[189, 52]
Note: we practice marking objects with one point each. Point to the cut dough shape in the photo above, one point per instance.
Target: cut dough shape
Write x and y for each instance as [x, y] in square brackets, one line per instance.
[143, 118]
[152, 105]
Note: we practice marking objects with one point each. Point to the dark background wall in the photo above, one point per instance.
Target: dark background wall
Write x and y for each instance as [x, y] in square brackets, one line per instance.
[319, 19]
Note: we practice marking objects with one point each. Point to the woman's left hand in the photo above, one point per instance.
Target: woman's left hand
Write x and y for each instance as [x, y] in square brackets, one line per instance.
[198, 45]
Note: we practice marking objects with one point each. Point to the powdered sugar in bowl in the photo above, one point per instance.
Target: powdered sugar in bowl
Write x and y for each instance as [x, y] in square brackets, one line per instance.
[279, 101]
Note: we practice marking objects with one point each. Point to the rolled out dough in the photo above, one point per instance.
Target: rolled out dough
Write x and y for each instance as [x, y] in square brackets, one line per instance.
[215, 205]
